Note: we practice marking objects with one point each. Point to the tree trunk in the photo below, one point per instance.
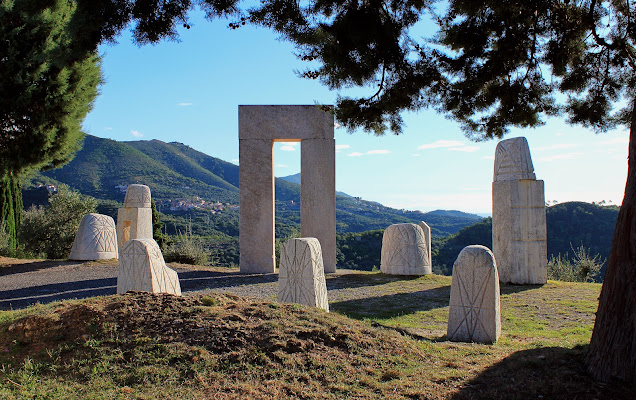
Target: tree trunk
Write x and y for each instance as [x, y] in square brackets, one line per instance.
[10, 206]
[612, 353]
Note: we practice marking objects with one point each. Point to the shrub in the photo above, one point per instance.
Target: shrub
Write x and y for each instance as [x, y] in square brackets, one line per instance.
[186, 249]
[583, 268]
[49, 231]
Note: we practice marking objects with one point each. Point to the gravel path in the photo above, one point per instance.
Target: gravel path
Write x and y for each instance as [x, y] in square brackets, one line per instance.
[26, 282]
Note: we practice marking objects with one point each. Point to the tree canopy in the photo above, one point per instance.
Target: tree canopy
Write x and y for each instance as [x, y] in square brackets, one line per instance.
[47, 87]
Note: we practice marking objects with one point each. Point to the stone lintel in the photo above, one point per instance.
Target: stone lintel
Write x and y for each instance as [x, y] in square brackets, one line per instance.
[285, 122]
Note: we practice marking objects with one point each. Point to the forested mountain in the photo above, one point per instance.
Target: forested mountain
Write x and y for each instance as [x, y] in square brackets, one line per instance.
[176, 171]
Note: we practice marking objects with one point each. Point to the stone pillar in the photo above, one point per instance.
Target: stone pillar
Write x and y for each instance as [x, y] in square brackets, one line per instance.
[256, 221]
[318, 196]
[474, 314]
[519, 237]
[134, 220]
[301, 276]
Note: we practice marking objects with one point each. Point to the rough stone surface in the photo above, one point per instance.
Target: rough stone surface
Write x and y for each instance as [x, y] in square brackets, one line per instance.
[142, 268]
[474, 314]
[519, 237]
[513, 161]
[301, 277]
[137, 196]
[134, 220]
[259, 127]
[96, 239]
[405, 251]
[427, 239]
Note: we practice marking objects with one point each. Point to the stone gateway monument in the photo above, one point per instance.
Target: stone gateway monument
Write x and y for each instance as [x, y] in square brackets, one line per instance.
[259, 128]
[518, 216]
[474, 314]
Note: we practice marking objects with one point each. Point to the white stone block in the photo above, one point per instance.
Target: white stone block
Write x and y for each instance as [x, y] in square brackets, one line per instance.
[142, 268]
[301, 275]
[405, 251]
[474, 314]
[95, 239]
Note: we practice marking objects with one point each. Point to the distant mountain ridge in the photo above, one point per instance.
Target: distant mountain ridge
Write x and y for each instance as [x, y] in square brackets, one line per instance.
[175, 170]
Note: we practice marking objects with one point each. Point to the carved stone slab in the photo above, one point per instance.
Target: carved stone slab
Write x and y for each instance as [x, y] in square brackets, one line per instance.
[301, 275]
[474, 312]
[95, 239]
[142, 268]
[405, 251]
[513, 161]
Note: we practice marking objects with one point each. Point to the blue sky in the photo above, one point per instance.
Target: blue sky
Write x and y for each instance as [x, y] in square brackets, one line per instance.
[190, 91]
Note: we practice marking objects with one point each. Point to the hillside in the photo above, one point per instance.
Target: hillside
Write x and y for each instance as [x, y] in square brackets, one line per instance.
[385, 338]
[176, 171]
[569, 225]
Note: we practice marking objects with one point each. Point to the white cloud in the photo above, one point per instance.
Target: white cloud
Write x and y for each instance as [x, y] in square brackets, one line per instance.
[555, 147]
[235, 160]
[288, 148]
[416, 155]
[441, 143]
[281, 166]
[564, 156]
[184, 104]
[378, 152]
[355, 154]
[467, 149]
[342, 146]
[108, 128]
[136, 133]
[336, 125]
[488, 157]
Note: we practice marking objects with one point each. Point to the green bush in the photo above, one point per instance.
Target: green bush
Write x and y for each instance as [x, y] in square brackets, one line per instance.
[583, 268]
[186, 249]
[49, 231]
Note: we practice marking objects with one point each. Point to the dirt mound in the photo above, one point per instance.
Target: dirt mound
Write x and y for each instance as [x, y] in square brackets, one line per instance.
[230, 345]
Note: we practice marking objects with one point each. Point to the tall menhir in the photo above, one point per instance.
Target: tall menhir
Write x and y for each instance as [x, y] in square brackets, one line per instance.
[518, 216]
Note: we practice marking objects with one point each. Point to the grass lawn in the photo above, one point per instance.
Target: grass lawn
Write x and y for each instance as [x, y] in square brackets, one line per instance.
[385, 338]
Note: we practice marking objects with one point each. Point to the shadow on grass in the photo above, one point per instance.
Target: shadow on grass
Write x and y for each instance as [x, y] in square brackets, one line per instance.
[356, 280]
[544, 373]
[393, 305]
[509, 289]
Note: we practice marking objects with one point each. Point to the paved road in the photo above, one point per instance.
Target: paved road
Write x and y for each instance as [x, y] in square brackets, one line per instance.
[25, 283]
